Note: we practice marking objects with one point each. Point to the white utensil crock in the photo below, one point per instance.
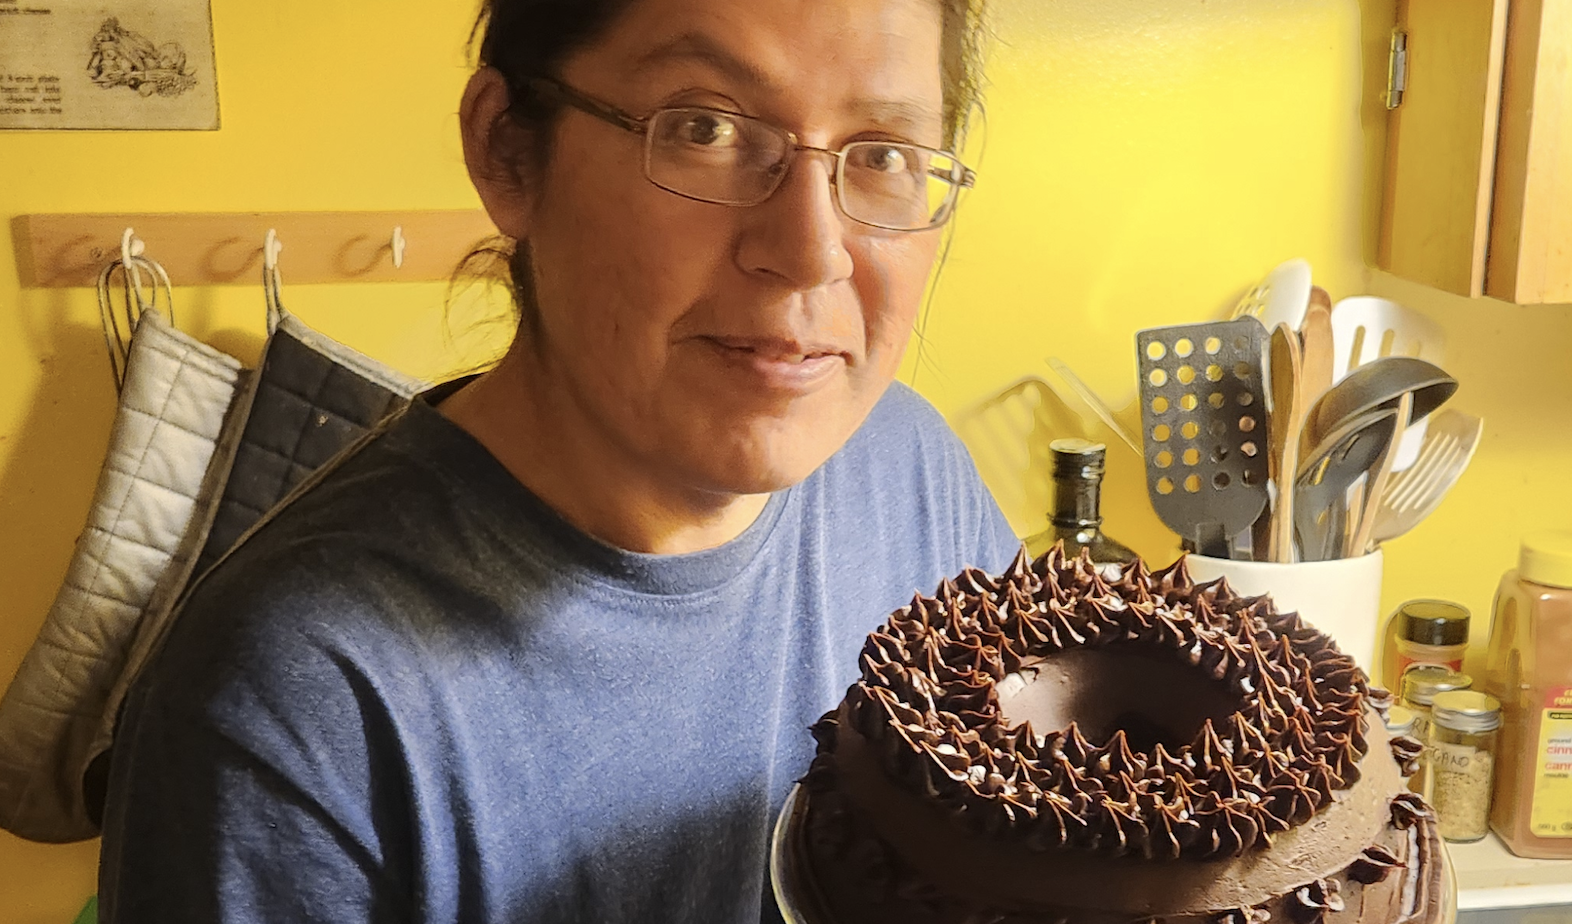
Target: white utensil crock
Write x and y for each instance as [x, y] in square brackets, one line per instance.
[1341, 597]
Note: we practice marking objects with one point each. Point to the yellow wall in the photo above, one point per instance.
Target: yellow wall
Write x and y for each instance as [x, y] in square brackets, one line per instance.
[1144, 163]
[325, 106]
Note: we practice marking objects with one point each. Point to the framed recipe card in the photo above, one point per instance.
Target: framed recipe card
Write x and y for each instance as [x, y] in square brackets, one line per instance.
[107, 64]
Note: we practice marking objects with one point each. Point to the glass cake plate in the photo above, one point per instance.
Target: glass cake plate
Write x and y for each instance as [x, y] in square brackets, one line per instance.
[800, 903]
[794, 893]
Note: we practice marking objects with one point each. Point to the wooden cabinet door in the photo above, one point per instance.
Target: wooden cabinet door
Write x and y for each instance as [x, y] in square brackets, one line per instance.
[1441, 144]
[1478, 189]
[1531, 231]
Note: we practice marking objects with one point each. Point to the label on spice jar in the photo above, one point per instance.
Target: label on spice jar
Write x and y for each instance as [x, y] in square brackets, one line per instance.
[1551, 812]
[1461, 790]
[1408, 659]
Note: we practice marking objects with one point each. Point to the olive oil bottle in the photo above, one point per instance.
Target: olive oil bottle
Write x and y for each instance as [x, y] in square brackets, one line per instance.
[1076, 520]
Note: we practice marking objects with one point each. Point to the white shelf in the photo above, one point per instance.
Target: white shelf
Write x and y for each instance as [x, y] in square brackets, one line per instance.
[1490, 876]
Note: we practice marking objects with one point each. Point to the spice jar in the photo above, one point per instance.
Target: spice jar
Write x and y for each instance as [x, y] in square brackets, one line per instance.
[1420, 688]
[1423, 632]
[1464, 726]
[1400, 721]
[1529, 668]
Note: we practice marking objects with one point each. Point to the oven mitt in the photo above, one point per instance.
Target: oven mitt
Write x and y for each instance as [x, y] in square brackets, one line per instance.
[312, 398]
[146, 508]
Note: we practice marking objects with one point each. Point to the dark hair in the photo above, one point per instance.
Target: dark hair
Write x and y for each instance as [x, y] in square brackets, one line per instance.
[531, 38]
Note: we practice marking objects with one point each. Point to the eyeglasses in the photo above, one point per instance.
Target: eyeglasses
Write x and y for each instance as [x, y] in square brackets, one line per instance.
[727, 158]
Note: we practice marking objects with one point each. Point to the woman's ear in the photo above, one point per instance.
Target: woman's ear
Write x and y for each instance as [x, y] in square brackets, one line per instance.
[496, 151]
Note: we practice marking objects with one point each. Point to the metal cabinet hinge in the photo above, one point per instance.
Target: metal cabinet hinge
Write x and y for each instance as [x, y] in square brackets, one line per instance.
[1397, 69]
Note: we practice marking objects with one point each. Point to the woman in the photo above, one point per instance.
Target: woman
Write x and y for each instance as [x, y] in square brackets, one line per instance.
[547, 648]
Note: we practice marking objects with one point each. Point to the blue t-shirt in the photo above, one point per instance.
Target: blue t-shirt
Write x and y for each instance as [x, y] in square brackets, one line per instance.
[418, 695]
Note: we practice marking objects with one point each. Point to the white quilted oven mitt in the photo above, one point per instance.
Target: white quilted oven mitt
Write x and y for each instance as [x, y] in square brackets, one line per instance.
[312, 400]
[145, 517]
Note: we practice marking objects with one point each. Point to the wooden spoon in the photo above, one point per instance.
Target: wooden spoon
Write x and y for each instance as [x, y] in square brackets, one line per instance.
[1286, 422]
[1375, 484]
[1316, 333]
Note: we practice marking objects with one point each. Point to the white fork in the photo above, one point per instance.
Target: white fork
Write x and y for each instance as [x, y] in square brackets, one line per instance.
[1412, 494]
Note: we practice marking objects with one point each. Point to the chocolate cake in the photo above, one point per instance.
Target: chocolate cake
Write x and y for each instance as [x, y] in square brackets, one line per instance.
[1051, 746]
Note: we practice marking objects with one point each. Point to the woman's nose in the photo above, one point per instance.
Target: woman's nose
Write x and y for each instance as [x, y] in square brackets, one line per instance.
[798, 235]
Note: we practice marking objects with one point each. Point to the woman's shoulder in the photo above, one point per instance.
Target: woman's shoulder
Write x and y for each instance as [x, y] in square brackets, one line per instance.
[902, 408]
[904, 432]
[910, 474]
[379, 545]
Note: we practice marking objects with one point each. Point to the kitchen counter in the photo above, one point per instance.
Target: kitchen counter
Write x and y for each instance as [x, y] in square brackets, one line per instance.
[1490, 877]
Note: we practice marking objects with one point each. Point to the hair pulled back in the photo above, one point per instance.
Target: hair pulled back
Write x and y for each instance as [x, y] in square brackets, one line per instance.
[532, 38]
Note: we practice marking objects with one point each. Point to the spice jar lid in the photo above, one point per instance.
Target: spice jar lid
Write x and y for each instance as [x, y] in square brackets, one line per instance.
[1078, 458]
[1466, 711]
[1399, 721]
[1434, 622]
[1421, 684]
[1546, 558]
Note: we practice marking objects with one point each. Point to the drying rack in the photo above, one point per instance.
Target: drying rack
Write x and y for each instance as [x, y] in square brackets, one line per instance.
[220, 248]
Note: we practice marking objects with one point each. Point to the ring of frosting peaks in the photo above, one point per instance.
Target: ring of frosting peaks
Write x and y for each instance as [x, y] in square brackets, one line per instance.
[928, 702]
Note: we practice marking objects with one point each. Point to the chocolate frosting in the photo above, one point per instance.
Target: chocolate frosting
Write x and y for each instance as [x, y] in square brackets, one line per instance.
[927, 703]
[1310, 903]
[1406, 751]
[1374, 865]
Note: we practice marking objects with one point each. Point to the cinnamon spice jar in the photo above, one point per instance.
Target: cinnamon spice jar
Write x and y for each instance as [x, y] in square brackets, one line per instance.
[1529, 669]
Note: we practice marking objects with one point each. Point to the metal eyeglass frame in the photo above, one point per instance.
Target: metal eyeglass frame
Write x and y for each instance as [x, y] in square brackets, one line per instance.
[556, 91]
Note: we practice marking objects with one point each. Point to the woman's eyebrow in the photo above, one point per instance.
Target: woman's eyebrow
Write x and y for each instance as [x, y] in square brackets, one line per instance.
[909, 114]
[696, 46]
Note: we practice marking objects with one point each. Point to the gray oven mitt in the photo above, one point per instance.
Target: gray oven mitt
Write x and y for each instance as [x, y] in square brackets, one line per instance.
[146, 515]
[312, 399]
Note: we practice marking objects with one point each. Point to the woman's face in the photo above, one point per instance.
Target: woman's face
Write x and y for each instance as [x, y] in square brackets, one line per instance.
[720, 349]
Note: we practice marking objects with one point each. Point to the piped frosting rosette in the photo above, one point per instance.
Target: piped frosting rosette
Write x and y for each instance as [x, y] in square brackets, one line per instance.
[928, 697]
[923, 782]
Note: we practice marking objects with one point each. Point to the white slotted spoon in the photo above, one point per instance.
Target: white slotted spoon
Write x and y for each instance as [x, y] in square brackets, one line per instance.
[1365, 328]
[1412, 494]
[1281, 298]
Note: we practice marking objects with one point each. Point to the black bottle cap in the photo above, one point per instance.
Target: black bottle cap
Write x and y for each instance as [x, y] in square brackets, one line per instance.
[1434, 622]
[1077, 458]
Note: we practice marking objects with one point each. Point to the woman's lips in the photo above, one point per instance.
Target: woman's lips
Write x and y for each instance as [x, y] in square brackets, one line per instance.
[780, 366]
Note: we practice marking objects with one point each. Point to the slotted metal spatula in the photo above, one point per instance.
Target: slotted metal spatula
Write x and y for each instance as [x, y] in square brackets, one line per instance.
[1203, 407]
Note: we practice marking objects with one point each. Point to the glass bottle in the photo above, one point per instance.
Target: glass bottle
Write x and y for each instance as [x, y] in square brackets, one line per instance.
[1400, 721]
[1077, 519]
[1420, 688]
[1464, 725]
[1423, 632]
[1529, 669]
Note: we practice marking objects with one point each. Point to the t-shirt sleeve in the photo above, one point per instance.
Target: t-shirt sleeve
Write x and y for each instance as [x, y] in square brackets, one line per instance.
[241, 786]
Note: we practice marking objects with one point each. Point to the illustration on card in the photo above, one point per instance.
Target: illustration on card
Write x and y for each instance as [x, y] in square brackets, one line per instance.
[122, 58]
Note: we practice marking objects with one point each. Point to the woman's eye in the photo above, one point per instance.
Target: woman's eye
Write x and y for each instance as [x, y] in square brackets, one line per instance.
[709, 130]
[884, 159]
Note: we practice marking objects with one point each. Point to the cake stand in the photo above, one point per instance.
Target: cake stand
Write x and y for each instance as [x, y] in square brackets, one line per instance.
[795, 893]
[799, 899]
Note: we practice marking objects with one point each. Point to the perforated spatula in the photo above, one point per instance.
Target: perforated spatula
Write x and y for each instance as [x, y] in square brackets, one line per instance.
[1204, 412]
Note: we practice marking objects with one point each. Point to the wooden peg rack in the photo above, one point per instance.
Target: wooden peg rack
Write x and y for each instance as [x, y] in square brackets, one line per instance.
[56, 251]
